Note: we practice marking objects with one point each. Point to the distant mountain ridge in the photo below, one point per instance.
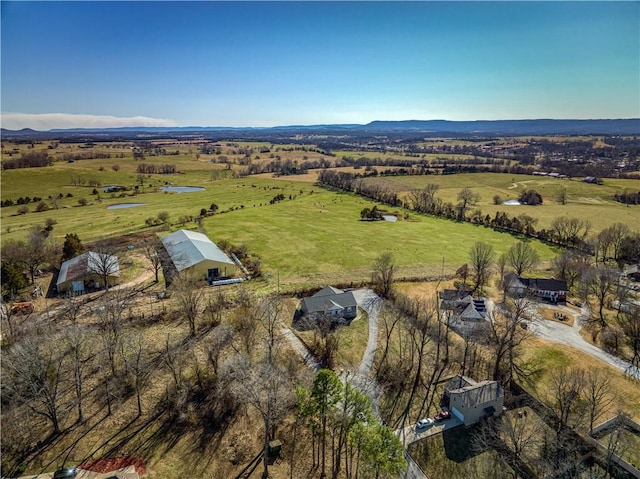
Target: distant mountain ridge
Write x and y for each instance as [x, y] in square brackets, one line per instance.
[476, 127]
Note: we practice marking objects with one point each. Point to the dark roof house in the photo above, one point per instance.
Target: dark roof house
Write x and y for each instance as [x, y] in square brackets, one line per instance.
[548, 288]
[330, 302]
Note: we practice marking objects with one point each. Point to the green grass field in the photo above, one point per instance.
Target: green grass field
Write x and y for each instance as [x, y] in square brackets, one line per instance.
[592, 202]
[314, 235]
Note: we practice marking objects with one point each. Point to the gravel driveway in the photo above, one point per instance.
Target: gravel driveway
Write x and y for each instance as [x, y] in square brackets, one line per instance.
[564, 334]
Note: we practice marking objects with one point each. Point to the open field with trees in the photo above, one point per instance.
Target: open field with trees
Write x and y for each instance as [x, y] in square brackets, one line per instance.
[581, 200]
[198, 380]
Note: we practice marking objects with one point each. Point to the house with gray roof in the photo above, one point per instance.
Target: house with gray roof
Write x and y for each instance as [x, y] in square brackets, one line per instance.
[196, 254]
[463, 312]
[330, 302]
[85, 272]
[471, 401]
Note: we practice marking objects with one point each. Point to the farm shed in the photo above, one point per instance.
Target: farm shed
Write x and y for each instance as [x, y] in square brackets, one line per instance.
[471, 401]
[85, 271]
[196, 254]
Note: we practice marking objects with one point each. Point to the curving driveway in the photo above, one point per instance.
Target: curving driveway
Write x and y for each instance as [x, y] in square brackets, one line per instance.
[570, 335]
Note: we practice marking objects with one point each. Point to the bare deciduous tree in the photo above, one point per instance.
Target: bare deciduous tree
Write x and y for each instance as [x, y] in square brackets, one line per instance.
[267, 388]
[150, 251]
[111, 316]
[33, 376]
[505, 334]
[134, 355]
[190, 297]
[630, 323]
[601, 283]
[481, 257]
[382, 275]
[104, 263]
[598, 394]
[522, 257]
[81, 356]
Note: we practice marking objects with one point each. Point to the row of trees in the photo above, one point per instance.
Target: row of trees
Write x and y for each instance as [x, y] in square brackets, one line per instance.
[149, 168]
[31, 159]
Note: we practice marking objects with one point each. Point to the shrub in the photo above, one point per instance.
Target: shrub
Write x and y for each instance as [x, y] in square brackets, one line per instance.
[23, 210]
[163, 217]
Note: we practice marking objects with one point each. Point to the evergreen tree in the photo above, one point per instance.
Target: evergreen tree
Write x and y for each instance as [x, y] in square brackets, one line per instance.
[72, 246]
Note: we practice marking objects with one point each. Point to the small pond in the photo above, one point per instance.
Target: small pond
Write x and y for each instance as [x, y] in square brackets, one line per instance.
[119, 206]
[181, 189]
[511, 203]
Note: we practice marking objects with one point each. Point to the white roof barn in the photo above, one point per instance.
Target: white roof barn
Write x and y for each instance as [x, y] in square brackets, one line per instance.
[195, 252]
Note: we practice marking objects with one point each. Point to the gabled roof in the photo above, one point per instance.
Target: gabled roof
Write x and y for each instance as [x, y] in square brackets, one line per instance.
[187, 248]
[329, 299]
[327, 291]
[87, 263]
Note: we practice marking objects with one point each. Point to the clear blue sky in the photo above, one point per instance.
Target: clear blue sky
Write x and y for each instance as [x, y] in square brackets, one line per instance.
[265, 64]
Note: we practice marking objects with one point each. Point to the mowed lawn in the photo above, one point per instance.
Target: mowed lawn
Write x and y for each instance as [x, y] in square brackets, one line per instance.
[587, 201]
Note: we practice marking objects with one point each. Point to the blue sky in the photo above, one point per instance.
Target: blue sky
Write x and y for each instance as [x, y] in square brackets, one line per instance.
[266, 64]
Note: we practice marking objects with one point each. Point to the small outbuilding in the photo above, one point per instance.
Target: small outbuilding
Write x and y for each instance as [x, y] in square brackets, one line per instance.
[196, 254]
[87, 272]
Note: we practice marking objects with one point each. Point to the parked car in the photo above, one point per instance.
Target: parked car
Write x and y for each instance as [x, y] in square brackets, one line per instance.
[426, 422]
[442, 415]
[65, 473]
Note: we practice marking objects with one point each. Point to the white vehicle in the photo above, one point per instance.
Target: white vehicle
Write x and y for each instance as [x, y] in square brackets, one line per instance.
[426, 422]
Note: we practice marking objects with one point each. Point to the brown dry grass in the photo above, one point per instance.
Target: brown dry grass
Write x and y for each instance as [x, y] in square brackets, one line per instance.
[553, 355]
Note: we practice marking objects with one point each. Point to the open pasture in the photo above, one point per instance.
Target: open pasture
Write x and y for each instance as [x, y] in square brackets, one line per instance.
[587, 201]
[319, 239]
[311, 237]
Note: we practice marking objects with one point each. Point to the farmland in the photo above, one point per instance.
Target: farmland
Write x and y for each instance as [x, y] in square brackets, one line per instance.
[583, 200]
[261, 198]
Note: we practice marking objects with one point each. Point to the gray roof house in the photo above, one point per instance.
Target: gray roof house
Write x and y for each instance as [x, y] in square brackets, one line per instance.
[330, 302]
[195, 253]
[472, 401]
[463, 312]
[78, 273]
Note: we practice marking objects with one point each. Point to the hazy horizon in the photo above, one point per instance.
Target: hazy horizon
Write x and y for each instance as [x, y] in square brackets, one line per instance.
[265, 64]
